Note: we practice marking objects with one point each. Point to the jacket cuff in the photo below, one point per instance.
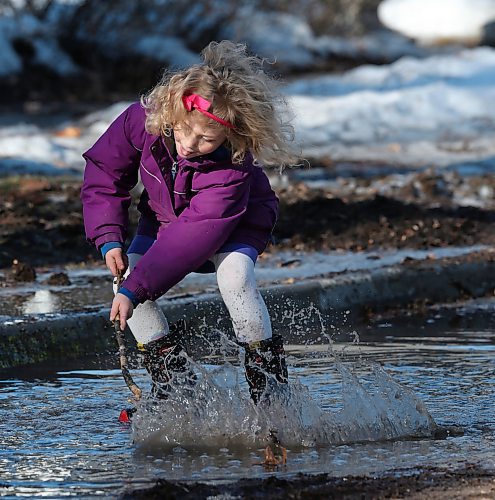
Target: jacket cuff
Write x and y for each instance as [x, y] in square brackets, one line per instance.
[129, 295]
[108, 246]
[140, 293]
[107, 238]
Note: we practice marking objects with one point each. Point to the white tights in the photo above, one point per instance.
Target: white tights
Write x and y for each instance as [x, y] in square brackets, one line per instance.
[237, 285]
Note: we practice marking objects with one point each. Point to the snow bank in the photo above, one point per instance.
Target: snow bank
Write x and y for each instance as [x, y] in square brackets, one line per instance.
[418, 112]
[30, 149]
[439, 20]
[414, 111]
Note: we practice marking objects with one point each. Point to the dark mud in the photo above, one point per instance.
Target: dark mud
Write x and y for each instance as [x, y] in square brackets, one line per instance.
[411, 210]
[41, 219]
[321, 223]
[41, 222]
[469, 483]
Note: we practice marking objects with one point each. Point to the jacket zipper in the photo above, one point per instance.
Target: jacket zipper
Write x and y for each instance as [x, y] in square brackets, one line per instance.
[174, 170]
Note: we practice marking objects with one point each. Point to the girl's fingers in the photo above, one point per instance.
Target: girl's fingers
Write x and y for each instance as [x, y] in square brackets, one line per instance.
[120, 264]
[121, 309]
[112, 266]
[123, 322]
[114, 311]
[116, 261]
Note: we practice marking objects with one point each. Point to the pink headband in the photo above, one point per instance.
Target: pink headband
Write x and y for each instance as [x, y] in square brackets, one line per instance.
[195, 101]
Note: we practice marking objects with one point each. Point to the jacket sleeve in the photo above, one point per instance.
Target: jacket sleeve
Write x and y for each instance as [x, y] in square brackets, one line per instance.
[189, 241]
[111, 172]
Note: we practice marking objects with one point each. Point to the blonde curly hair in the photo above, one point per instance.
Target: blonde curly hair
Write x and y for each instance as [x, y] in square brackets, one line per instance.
[240, 92]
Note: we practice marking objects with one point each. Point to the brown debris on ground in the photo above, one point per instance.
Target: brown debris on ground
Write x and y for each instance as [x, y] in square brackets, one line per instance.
[324, 223]
[418, 210]
[41, 220]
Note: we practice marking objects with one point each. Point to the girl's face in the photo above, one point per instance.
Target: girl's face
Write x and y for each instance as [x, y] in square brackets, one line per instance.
[196, 137]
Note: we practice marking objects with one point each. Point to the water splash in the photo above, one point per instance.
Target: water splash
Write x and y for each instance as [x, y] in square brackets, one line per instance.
[218, 413]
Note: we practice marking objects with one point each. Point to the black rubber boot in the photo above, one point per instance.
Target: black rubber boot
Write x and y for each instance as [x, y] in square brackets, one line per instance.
[262, 359]
[165, 361]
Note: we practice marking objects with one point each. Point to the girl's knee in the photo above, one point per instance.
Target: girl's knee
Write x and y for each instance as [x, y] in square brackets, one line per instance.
[235, 272]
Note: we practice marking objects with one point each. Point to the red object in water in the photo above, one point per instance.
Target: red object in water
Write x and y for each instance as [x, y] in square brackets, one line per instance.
[124, 416]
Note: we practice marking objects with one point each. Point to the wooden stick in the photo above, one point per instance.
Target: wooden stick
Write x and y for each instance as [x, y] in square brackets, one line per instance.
[119, 335]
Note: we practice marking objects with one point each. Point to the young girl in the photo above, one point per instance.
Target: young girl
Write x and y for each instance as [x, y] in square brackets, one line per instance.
[197, 141]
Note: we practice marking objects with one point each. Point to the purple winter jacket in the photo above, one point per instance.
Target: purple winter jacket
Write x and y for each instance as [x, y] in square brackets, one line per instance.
[211, 202]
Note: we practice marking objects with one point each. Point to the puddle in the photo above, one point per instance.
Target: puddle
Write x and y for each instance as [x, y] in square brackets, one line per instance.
[60, 435]
[90, 288]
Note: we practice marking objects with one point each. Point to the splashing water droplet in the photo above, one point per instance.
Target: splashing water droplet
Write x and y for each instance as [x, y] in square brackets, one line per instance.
[218, 413]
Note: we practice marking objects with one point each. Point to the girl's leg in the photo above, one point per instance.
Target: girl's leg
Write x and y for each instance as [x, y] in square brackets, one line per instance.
[162, 353]
[247, 309]
[265, 356]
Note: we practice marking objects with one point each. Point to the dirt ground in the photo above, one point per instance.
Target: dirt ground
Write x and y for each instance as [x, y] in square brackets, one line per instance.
[41, 221]
[427, 484]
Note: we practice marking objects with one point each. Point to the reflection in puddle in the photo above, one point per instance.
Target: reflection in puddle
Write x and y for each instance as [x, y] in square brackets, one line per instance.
[43, 301]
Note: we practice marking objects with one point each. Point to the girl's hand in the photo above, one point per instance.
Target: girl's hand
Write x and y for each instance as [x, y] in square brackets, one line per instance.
[122, 308]
[116, 261]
